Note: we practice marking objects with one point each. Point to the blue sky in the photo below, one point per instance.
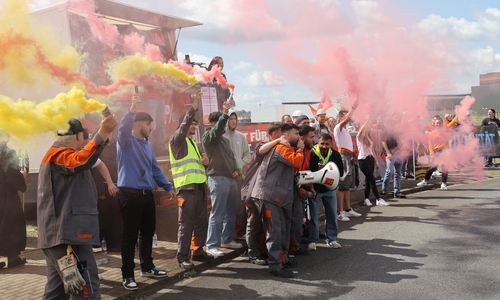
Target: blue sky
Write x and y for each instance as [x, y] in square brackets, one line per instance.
[470, 29]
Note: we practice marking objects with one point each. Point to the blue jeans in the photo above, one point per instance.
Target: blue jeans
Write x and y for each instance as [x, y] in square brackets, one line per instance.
[330, 203]
[223, 194]
[397, 164]
[157, 109]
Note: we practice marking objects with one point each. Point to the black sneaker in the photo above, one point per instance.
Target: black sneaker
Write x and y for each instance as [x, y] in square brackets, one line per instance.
[290, 263]
[129, 284]
[19, 261]
[185, 264]
[283, 272]
[383, 192]
[300, 251]
[155, 272]
[399, 195]
[258, 261]
[203, 257]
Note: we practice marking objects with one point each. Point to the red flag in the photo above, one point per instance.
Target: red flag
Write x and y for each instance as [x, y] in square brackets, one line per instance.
[325, 103]
[312, 109]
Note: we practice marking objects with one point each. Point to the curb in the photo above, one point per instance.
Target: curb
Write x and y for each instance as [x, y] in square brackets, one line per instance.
[179, 274]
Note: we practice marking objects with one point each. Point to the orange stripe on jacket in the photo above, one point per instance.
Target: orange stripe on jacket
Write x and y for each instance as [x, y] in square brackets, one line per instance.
[69, 157]
[294, 157]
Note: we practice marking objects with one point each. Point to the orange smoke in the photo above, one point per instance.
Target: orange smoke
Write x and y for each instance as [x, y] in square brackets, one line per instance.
[15, 42]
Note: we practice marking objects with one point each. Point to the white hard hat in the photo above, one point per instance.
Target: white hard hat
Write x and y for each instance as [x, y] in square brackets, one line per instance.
[321, 112]
[297, 113]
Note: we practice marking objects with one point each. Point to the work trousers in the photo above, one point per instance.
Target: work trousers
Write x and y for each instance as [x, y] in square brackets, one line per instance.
[193, 222]
[54, 288]
[255, 230]
[277, 221]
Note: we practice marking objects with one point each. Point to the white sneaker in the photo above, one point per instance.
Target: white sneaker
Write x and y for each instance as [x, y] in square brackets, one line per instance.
[333, 244]
[422, 183]
[342, 217]
[352, 213]
[232, 245]
[311, 247]
[444, 187]
[243, 237]
[381, 202]
[368, 202]
[215, 252]
[436, 173]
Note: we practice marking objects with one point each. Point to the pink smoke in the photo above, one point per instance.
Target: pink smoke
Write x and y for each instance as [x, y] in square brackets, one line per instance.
[183, 66]
[153, 52]
[101, 29]
[133, 43]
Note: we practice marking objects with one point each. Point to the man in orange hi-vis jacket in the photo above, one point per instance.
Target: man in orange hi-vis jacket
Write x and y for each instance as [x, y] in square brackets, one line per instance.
[272, 188]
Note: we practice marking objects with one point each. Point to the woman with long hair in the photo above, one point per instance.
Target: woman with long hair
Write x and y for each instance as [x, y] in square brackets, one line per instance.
[223, 93]
[367, 163]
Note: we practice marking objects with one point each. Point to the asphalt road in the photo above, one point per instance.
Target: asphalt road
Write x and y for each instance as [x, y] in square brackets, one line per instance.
[433, 245]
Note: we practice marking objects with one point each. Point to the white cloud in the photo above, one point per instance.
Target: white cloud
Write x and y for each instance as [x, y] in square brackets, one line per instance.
[266, 78]
[246, 101]
[453, 27]
[485, 27]
[370, 12]
[491, 20]
[241, 66]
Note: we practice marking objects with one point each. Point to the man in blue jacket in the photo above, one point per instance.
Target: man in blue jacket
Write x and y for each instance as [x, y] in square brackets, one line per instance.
[137, 168]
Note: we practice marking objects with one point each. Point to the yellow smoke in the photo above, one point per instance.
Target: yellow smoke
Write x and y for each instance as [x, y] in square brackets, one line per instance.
[24, 119]
[20, 38]
[132, 66]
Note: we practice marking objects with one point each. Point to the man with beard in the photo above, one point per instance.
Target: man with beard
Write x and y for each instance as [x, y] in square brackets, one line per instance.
[239, 145]
[271, 186]
[190, 180]
[257, 251]
[323, 153]
[137, 168]
[301, 194]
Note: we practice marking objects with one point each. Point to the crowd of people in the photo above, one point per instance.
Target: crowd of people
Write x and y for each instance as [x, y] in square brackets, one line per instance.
[254, 199]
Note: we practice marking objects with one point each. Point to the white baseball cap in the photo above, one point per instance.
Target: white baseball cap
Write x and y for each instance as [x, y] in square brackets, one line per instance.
[297, 113]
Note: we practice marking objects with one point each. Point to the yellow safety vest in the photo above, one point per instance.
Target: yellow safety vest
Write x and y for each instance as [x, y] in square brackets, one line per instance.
[188, 169]
[317, 151]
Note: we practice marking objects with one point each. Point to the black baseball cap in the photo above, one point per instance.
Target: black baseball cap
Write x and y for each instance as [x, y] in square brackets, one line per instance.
[75, 127]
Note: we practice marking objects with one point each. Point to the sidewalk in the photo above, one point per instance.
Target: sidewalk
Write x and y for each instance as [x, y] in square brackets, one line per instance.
[28, 281]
